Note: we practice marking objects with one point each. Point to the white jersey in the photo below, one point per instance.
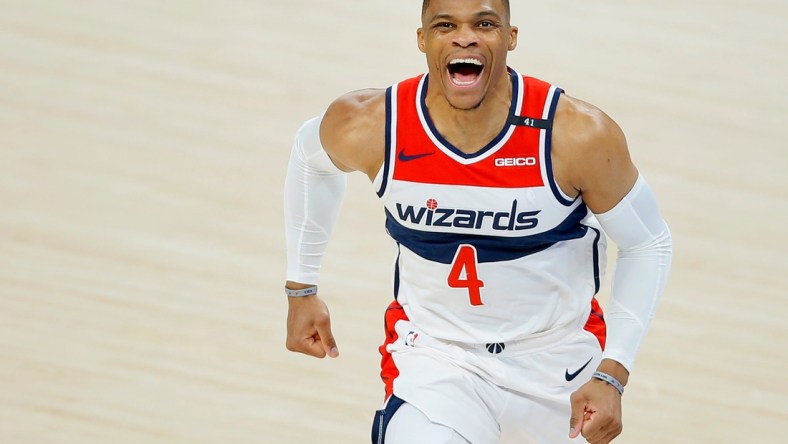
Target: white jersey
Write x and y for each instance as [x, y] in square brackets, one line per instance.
[489, 248]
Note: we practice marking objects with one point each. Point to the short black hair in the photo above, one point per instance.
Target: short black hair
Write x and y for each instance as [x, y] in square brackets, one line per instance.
[426, 4]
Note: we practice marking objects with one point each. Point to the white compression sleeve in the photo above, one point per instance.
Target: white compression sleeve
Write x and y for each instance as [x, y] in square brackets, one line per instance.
[644, 257]
[314, 188]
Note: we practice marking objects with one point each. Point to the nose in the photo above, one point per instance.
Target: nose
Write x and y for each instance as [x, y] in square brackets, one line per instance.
[465, 37]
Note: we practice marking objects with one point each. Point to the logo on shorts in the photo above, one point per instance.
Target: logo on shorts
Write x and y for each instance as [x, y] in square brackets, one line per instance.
[410, 339]
[496, 348]
[570, 376]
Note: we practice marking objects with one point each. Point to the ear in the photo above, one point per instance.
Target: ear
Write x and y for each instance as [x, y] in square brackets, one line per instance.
[420, 40]
[513, 38]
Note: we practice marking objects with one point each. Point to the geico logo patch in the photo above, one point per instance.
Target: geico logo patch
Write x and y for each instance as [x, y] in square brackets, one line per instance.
[515, 161]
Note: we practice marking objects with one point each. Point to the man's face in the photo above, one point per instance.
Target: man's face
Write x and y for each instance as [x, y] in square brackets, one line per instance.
[466, 42]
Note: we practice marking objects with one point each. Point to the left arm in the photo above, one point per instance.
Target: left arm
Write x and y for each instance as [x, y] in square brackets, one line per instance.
[593, 160]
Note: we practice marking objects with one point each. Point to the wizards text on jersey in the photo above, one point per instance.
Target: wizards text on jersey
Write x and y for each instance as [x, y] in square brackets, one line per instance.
[511, 220]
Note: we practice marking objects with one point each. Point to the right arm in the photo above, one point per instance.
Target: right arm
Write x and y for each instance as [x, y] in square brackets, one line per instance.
[348, 137]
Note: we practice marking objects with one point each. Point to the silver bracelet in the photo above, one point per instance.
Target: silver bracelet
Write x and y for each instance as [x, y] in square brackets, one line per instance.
[610, 380]
[308, 291]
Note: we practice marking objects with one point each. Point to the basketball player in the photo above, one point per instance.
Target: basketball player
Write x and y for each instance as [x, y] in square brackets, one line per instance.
[499, 190]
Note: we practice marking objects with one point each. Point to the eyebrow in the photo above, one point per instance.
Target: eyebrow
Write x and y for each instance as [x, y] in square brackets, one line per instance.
[478, 15]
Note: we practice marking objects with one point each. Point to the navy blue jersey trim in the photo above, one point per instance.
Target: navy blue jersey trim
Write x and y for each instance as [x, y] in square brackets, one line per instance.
[446, 143]
[441, 247]
[387, 158]
[548, 141]
[597, 284]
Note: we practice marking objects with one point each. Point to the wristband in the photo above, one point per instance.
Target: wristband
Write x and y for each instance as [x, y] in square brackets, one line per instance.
[308, 291]
[610, 380]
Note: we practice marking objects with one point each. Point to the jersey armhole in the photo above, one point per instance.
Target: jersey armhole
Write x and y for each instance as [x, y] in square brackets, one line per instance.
[385, 172]
[551, 104]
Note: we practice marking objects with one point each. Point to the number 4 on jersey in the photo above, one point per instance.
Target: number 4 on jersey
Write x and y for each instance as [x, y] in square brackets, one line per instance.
[463, 273]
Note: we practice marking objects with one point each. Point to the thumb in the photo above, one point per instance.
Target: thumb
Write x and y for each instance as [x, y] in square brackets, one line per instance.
[327, 338]
[578, 415]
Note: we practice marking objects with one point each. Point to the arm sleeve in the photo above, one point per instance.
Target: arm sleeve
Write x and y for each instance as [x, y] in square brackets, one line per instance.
[645, 249]
[314, 188]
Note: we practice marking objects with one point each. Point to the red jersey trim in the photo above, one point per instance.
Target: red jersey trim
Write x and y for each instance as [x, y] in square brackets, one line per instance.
[512, 160]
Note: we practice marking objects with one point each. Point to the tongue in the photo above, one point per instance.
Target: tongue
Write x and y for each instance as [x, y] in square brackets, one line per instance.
[465, 74]
[464, 78]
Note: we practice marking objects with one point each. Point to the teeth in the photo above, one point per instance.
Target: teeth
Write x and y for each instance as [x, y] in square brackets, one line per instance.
[469, 61]
[459, 83]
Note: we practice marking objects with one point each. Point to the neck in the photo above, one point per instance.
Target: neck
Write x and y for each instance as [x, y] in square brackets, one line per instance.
[470, 130]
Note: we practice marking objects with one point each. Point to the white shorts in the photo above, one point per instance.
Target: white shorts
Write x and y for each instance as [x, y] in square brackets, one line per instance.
[489, 393]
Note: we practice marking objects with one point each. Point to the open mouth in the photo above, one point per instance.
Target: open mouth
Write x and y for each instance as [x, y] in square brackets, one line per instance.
[465, 72]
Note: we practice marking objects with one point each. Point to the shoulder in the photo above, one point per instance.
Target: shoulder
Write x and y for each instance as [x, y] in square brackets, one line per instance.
[352, 130]
[591, 151]
[355, 106]
[584, 128]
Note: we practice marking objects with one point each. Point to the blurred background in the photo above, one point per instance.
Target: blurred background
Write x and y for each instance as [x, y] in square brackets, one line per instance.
[143, 147]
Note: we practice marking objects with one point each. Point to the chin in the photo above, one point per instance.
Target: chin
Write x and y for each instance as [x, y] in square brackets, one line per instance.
[467, 106]
[464, 102]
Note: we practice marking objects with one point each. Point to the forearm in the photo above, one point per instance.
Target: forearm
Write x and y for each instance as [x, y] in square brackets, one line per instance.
[642, 265]
[314, 188]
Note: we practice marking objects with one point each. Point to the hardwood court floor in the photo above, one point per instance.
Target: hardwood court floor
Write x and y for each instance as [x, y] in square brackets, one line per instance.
[142, 154]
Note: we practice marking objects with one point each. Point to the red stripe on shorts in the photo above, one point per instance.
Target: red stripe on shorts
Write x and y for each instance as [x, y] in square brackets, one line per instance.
[388, 370]
[596, 323]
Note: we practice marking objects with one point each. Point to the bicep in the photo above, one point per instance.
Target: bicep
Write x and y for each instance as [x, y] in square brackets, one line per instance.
[352, 132]
[331, 138]
[606, 172]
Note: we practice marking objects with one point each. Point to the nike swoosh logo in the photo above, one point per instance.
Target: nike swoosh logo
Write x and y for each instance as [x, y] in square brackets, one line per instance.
[405, 158]
[571, 376]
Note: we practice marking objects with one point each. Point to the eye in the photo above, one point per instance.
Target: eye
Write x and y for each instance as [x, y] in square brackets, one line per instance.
[487, 24]
[443, 25]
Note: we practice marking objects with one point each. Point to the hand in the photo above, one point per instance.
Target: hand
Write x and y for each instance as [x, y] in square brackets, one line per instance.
[596, 407]
[309, 327]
